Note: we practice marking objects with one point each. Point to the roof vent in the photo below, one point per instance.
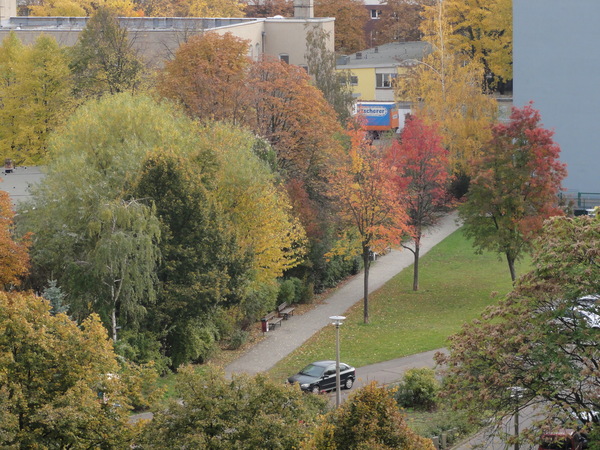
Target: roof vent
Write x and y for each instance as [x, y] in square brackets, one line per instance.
[358, 55]
[376, 49]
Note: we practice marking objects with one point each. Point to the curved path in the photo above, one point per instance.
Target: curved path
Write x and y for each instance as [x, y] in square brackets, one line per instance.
[295, 331]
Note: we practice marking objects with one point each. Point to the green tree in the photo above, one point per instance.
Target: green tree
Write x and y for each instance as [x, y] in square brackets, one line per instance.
[368, 419]
[203, 269]
[214, 412]
[533, 339]
[52, 373]
[321, 65]
[83, 216]
[103, 60]
[516, 187]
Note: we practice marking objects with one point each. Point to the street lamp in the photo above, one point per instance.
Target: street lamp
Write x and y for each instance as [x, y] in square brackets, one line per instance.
[337, 321]
[516, 393]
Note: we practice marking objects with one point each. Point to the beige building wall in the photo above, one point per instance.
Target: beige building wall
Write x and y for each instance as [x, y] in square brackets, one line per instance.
[270, 36]
[288, 37]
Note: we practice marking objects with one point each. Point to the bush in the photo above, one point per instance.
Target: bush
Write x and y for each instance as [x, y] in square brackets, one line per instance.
[287, 291]
[418, 389]
[142, 347]
[237, 339]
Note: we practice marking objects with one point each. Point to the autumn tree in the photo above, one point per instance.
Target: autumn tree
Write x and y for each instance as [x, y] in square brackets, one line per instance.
[103, 60]
[422, 172]
[36, 97]
[11, 51]
[483, 31]
[207, 8]
[350, 20]
[447, 89]
[52, 374]
[270, 8]
[295, 118]
[366, 196]
[244, 412]
[400, 21]
[207, 77]
[533, 339]
[321, 63]
[13, 252]
[515, 188]
[44, 88]
[370, 418]
[82, 8]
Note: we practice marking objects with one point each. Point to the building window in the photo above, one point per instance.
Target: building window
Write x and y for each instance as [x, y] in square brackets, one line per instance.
[375, 13]
[353, 80]
[284, 57]
[385, 80]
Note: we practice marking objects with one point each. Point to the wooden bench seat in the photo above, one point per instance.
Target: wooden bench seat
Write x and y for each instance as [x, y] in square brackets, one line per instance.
[285, 311]
[273, 320]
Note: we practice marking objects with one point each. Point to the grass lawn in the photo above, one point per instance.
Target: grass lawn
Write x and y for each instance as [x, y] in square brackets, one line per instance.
[455, 286]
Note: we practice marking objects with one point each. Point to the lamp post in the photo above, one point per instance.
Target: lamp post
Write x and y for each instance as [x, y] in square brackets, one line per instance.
[337, 321]
[516, 393]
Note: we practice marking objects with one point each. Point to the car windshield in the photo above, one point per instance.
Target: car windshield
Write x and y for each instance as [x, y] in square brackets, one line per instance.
[313, 371]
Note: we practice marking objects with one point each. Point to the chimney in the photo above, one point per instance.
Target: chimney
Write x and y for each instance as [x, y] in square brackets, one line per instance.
[304, 9]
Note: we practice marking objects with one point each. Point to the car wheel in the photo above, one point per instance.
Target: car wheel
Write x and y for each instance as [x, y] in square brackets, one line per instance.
[349, 383]
[315, 389]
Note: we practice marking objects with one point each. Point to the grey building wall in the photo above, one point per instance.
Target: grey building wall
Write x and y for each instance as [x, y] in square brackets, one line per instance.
[557, 66]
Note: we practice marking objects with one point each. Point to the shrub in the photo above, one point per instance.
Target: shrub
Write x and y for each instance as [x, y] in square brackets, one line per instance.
[287, 291]
[418, 389]
[237, 339]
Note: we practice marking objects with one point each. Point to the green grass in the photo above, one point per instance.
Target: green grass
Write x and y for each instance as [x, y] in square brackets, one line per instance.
[455, 286]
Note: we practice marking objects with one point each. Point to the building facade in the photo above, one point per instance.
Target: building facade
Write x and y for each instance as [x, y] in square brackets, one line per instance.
[157, 38]
[556, 60]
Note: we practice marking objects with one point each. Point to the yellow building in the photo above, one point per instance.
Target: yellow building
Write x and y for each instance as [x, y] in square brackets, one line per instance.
[373, 70]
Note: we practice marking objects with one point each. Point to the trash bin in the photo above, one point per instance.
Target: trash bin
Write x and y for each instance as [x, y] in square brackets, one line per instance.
[265, 325]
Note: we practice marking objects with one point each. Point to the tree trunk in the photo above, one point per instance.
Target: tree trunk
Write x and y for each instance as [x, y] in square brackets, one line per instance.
[367, 264]
[416, 267]
[511, 266]
[114, 324]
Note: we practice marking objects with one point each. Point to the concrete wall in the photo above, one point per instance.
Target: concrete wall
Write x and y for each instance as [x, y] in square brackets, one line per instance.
[556, 64]
[157, 39]
[288, 36]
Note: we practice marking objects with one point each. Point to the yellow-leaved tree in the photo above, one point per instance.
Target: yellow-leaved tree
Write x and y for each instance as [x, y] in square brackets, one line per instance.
[256, 202]
[446, 87]
[483, 31]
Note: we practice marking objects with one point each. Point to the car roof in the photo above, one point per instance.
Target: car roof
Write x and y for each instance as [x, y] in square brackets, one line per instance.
[323, 363]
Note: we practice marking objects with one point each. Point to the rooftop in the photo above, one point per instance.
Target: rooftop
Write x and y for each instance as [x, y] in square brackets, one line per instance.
[392, 54]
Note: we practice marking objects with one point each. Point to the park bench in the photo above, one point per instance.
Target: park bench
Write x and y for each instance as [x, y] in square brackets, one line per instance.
[285, 311]
[273, 320]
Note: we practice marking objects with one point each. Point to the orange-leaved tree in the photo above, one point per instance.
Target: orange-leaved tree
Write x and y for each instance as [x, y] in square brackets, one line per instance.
[363, 185]
[14, 254]
[207, 77]
[351, 18]
[422, 174]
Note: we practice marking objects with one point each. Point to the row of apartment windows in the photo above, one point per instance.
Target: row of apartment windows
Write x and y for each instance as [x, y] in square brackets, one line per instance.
[382, 80]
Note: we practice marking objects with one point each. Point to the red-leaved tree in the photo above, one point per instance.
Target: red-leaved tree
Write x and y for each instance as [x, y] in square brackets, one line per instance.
[422, 170]
[364, 188]
[515, 188]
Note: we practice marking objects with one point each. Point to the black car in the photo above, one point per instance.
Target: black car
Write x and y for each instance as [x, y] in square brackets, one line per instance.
[320, 376]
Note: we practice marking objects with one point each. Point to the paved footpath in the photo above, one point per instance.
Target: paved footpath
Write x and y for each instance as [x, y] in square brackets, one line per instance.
[295, 331]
